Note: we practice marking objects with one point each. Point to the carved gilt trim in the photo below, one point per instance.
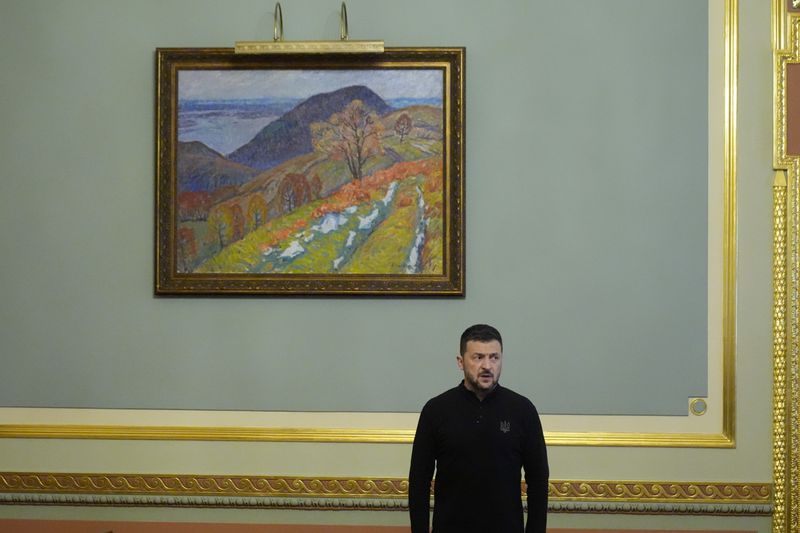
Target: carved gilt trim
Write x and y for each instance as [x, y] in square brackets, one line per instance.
[364, 493]
[661, 491]
[779, 352]
[785, 282]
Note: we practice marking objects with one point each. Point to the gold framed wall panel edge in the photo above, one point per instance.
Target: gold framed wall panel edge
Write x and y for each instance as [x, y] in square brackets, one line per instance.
[353, 435]
[729, 232]
[725, 439]
[779, 20]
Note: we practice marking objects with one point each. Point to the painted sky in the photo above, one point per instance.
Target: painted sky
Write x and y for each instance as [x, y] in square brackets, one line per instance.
[248, 84]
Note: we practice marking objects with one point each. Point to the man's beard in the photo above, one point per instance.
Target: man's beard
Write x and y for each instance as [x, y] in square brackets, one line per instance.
[477, 385]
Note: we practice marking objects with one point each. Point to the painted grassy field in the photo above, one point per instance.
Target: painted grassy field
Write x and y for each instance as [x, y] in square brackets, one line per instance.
[390, 222]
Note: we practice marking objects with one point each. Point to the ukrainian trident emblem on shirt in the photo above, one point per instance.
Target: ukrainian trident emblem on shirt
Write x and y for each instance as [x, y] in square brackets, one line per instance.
[505, 426]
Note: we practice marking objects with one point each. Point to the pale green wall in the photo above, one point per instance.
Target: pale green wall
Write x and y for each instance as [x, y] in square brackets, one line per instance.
[87, 277]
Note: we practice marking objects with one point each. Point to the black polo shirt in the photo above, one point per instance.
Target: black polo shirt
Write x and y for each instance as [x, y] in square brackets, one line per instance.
[478, 449]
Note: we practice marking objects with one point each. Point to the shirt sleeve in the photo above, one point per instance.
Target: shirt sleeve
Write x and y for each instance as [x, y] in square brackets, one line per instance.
[423, 460]
[537, 476]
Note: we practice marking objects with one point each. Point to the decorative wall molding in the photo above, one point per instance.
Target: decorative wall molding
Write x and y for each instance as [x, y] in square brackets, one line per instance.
[661, 491]
[323, 493]
[712, 438]
[785, 275]
[361, 435]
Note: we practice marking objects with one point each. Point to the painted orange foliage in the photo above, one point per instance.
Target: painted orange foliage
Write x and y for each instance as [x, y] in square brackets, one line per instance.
[257, 211]
[356, 192]
[237, 221]
[281, 234]
[403, 170]
[293, 192]
[193, 205]
[352, 193]
[186, 242]
[405, 201]
[434, 185]
[435, 182]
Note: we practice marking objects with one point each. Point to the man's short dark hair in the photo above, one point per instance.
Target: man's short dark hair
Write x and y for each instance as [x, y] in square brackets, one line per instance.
[481, 333]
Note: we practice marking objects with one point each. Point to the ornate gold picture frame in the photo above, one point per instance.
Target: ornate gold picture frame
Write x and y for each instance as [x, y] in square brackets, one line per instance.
[310, 174]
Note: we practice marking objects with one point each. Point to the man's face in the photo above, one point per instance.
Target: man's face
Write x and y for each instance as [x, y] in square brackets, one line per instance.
[481, 363]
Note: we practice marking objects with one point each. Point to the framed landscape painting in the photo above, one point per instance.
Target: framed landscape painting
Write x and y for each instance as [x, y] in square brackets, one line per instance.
[310, 174]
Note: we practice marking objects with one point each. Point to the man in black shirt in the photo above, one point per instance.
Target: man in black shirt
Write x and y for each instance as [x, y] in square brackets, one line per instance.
[478, 436]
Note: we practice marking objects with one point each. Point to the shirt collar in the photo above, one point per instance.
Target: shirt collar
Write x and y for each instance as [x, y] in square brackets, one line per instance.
[473, 396]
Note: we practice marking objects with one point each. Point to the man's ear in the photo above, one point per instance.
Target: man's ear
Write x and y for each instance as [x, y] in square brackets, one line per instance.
[460, 361]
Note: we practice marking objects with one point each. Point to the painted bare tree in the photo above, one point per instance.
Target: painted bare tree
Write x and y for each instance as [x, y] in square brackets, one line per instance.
[353, 136]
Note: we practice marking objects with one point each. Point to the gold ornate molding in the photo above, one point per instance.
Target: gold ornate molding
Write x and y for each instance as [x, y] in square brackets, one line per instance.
[779, 351]
[661, 491]
[785, 282]
[364, 488]
[189, 485]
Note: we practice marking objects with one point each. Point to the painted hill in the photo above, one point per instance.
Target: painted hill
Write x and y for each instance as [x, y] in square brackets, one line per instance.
[201, 169]
[290, 135]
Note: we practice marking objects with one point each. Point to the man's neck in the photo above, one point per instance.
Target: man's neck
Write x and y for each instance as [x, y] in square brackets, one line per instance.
[480, 394]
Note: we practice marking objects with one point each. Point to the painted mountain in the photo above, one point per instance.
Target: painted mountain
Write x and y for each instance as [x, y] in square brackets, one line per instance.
[201, 169]
[290, 135]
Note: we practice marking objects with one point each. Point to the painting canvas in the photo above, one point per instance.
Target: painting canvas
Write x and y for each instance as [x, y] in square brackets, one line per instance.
[326, 175]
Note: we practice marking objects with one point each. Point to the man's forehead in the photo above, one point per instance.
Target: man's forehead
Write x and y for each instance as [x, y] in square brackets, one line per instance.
[484, 347]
